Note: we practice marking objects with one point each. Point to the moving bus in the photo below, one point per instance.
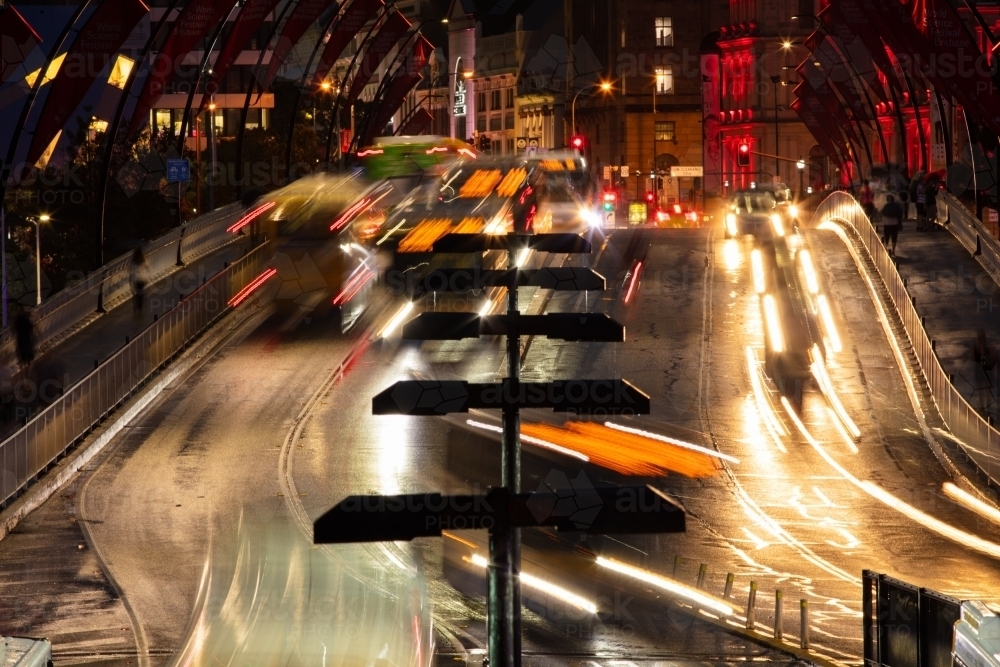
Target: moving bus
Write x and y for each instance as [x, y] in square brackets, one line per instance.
[395, 157]
[567, 202]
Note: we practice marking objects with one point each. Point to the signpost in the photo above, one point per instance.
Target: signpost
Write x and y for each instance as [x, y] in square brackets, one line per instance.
[179, 172]
[687, 172]
[504, 511]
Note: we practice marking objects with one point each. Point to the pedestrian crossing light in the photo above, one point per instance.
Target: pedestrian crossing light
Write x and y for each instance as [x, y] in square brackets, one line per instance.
[610, 199]
[743, 154]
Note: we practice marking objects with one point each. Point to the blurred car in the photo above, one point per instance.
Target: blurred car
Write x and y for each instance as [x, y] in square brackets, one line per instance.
[677, 215]
[750, 212]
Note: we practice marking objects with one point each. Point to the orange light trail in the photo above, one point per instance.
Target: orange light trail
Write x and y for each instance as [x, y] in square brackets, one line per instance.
[626, 453]
[251, 216]
[249, 289]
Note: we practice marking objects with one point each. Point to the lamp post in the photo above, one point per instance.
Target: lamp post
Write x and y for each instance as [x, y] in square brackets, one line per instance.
[603, 85]
[211, 166]
[38, 256]
[775, 80]
[801, 166]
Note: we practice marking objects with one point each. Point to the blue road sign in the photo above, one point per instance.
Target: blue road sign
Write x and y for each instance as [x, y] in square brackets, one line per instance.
[178, 171]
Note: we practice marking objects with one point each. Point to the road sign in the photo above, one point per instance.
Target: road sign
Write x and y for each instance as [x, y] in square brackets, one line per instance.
[178, 171]
[469, 243]
[436, 398]
[687, 172]
[530, 151]
[607, 172]
[462, 280]
[609, 218]
[521, 143]
[590, 327]
[624, 171]
[605, 511]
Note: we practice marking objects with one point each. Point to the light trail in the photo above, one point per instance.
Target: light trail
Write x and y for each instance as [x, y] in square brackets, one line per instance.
[546, 587]
[843, 434]
[251, 216]
[826, 386]
[688, 593]
[970, 502]
[943, 529]
[396, 320]
[774, 426]
[810, 271]
[672, 441]
[828, 324]
[242, 295]
[757, 265]
[779, 227]
[731, 227]
[530, 440]
[354, 285]
[773, 324]
[635, 281]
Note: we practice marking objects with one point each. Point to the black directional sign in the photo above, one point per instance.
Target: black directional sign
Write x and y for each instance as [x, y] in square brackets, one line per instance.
[590, 327]
[462, 280]
[469, 243]
[431, 398]
[601, 510]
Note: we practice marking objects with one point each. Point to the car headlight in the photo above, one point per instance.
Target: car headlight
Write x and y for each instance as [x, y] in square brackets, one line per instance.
[591, 217]
[793, 211]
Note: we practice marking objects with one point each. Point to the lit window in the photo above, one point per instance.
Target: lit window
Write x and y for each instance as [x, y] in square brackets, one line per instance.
[120, 72]
[162, 119]
[665, 130]
[50, 73]
[665, 80]
[494, 100]
[98, 125]
[664, 31]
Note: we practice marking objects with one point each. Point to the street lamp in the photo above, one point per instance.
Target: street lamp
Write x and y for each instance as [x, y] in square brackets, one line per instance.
[38, 255]
[603, 85]
[775, 80]
[801, 166]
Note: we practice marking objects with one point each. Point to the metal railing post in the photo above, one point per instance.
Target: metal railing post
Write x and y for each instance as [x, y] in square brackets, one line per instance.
[751, 604]
[778, 608]
[804, 624]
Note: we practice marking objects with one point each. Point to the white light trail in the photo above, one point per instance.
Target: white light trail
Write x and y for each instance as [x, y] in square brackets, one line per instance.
[826, 386]
[779, 227]
[757, 265]
[396, 320]
[530, 440]
[549, 588]
[970, 502]
[763, 405]
[831, 329]
[692, 595]
[810, 271]
[773, 324]
[672, 441]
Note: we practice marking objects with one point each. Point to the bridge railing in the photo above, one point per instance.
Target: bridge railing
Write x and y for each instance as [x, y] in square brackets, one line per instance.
[971, 233]
[109, 285]
[979, 439]
[36, 446]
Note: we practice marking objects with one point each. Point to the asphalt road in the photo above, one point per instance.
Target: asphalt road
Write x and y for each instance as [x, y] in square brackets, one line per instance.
[199, 514]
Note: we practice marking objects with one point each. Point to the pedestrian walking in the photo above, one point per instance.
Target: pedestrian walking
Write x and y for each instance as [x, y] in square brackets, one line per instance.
[932, 192]
[868, 200]
[984, 359]
[892, 219]
[139, 279]
[24, 335]
[921, 196]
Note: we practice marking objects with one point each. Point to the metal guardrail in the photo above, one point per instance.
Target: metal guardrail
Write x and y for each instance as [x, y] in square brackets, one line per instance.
[906, 626]
[30, 451]
[109, 285]
[971, 234]
[979, 440]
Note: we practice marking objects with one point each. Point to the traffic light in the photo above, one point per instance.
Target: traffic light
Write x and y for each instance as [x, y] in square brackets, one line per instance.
[577, 142]
[659, 182]
[610, 199]
[743, 154]
[650, 197]
[484, 143]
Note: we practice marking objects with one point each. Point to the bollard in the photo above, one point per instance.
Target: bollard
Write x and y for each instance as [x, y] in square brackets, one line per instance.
[126, 340]
[933, 345]
[729, 586]
[951, 378]
[96, 364]
[677, 564]
[751, 603]
[904, 282]
[979, 247]
[923, 322]
[804, 632]
[155, 317]
[701, 575]
[913, 300]
[778, 609]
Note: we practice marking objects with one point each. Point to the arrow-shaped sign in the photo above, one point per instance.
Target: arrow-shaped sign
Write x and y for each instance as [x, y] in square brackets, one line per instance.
[603, 511]
[590, 327]
[433, 398]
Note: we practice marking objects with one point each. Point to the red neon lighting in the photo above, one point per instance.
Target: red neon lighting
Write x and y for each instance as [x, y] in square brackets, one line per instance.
[635, 281]
[466, 151]
[371, 151]
[354, 286]
[249, 289]
[350, 212]
[250, 217]
[437, 149]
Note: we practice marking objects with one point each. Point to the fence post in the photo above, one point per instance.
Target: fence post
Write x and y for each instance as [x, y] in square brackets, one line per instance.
[804, 632]
[751, 603]
[729, 586]
[701, 575]
[778, 609]
[180, 241]
[979, 247]
[677, 564]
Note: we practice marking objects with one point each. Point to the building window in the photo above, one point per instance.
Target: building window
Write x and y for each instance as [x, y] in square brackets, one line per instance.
[163, 120]
[481, 123]
[508, 121]
[665, 130]
[664, 31]
[510, 98]
[495, 123]
[510, 146]
[480, 101]
[665, 80]
[494, 100]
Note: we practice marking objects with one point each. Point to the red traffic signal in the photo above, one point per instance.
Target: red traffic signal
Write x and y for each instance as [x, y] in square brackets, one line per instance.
[650, 197]
[743, 154]
[577, 141]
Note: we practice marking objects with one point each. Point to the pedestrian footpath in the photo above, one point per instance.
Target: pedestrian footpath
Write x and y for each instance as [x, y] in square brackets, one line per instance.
[72, 357]
[958, 298]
